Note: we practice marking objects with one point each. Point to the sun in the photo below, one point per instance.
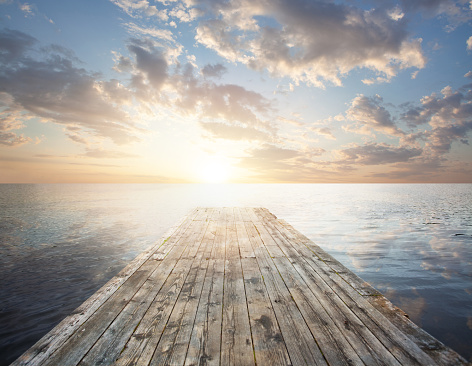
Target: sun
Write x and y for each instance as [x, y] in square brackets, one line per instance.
[215, 171]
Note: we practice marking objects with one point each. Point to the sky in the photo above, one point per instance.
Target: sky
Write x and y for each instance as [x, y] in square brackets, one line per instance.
[244, 91]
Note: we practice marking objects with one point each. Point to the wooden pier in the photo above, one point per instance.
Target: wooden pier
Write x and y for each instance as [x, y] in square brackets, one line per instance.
[237, 286]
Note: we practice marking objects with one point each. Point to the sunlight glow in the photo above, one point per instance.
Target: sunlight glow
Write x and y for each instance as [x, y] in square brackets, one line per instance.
[215, 171]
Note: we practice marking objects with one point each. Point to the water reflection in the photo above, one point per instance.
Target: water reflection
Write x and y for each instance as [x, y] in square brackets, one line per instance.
[60, 243]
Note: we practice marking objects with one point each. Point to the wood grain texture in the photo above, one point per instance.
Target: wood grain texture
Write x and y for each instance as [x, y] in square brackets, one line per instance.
[237, 286]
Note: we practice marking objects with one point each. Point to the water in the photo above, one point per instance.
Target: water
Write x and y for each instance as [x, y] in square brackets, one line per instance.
[60, 243]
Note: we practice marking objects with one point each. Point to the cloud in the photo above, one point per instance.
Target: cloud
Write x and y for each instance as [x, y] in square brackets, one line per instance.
[214, 71]
[449, 116]
[226, 111]
[138, 8]
[56, 90]
[14, 44]
[182, 14]
[10, 120]
[291, 121]
[151, 66]
[269, 157]
[234, 132]
[107, 154]
[77, 138]
[324, 131]
[377, 154]
[282, 164]
[163, 34]
[369, 114]
[229, 103]
[314, 42]
[468, 75]
[469, 43]
[26, 8]
[453, 12]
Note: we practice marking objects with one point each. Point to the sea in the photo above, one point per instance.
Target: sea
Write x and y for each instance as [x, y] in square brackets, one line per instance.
[59, 243]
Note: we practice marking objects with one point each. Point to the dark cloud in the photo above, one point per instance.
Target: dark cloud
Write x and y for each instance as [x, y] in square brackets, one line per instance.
[12, 139]
[14, 45]
[377, 154]
[151, 64]
[56, 90]
[214, 71]
[449, 118]
[368, 113]
[453, 12]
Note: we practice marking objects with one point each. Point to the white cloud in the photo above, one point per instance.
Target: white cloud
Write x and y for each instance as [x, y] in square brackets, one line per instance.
[396, 13]
[162, 34]
[138, 8]
[311, 42]
[26, 8]
[469, 43]
[182, 14]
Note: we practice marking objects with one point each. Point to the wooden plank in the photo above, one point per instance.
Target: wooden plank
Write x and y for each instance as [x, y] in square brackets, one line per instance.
[245, 247]
[301, 346]
[245, 215]
[269, 345]
[53, 340]
[205, 341]
[237, 348]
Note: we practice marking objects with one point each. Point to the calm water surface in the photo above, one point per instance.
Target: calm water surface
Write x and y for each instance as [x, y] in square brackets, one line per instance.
[60, 243]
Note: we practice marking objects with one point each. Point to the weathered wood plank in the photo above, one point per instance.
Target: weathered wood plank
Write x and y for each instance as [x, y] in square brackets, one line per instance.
[205, 341]
[237, 348]
[269, 345]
